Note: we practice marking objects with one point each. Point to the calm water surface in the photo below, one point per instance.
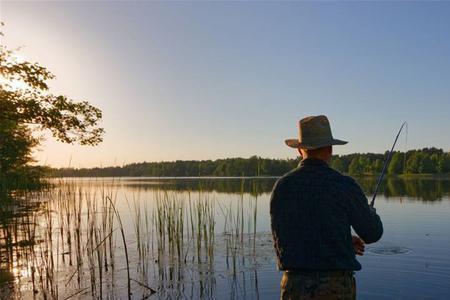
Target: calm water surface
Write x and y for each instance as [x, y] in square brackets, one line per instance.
[221, 246]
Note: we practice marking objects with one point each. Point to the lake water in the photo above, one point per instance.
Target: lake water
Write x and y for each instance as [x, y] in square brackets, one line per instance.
[200, 238]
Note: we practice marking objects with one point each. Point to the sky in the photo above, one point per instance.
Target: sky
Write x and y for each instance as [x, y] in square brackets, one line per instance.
[208, 80]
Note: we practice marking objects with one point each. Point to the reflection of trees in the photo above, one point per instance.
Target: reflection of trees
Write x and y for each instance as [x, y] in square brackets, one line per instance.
[17, 238]
[425, 188]
[395, 188]
[253, 186]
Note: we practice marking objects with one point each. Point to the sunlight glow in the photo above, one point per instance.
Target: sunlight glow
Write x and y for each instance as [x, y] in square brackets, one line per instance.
[15, 84]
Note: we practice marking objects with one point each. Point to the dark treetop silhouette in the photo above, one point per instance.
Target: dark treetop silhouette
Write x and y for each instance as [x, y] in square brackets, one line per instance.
[27, 106]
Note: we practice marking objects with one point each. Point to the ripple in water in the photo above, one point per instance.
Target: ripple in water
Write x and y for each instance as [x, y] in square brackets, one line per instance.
[390, 250]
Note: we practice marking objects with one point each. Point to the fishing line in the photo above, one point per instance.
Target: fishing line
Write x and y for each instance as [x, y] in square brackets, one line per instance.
[406, 148]
[386, 163]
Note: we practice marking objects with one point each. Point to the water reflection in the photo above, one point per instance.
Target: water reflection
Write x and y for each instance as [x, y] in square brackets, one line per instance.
[414, 188]
[18, 240]
[249, 185]
[424, 189]
[190, 238]
[166, 240]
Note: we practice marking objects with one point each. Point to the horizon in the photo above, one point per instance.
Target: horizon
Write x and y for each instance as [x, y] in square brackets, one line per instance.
[240, 157]
[204, 81]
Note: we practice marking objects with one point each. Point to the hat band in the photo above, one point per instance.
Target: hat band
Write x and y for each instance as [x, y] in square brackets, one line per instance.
[315, 140]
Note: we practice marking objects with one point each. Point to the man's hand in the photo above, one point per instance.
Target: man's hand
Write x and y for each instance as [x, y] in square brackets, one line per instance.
[358, 245]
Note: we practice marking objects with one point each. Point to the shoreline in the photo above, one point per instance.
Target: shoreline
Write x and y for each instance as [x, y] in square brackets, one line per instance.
[402, 176]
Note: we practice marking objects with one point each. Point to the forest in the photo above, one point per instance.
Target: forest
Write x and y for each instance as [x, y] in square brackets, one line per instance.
[423, 161]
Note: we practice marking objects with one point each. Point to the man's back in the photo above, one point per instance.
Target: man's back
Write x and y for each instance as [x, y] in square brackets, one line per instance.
[312, 209]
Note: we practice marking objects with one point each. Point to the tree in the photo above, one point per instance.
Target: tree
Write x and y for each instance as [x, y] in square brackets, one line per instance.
[413, 162]
[396, 164]
[435, 159]
[377, 166]
[337, 164]
[16, 143]
[426, 165]
[27, 107]
[355, 167]
[444, 163]
[366, 166]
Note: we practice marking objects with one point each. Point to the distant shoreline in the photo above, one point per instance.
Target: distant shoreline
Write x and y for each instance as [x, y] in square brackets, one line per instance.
[421, 162]
[402, 176]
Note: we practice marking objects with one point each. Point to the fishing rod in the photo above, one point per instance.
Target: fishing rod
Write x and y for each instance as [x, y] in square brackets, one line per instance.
[386, 163]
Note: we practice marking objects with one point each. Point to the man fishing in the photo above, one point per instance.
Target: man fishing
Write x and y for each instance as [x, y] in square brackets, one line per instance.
[313, 209]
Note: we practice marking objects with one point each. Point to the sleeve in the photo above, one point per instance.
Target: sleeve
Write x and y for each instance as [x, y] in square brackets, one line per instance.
[276, 215]
[363, 218]
[274, 212]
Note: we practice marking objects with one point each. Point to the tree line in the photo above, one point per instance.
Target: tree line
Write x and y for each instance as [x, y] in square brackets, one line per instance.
[423, 161]
[253, 166]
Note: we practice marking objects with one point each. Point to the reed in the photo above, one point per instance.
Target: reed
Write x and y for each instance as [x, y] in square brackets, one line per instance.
[119, 219]
[181, 228]
[71, 225]
[77, 226]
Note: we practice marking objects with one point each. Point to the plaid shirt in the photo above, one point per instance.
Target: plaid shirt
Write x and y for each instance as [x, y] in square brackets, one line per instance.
[312, 210]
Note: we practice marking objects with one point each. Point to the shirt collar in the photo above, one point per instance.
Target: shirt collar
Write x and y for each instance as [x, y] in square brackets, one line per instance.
[312, 162]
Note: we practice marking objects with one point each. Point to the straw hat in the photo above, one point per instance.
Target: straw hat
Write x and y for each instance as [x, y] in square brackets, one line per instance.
[314, 132]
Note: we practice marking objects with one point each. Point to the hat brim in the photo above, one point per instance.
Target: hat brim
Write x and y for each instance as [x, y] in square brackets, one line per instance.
[294, 143]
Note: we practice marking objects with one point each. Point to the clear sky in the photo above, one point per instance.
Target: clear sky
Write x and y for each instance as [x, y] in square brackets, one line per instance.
[208, 80]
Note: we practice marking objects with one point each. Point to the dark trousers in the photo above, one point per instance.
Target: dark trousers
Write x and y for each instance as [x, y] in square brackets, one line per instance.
[318, 285]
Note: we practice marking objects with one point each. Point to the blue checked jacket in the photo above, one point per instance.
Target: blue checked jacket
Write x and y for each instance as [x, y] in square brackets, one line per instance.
[312, 210]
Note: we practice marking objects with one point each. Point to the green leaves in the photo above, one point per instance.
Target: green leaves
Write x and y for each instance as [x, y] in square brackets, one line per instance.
[27, 106]
[68, 120]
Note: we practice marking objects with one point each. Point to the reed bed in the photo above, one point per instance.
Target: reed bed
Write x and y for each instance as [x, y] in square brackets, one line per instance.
[69, 231]
[184, 231]
[77, 240]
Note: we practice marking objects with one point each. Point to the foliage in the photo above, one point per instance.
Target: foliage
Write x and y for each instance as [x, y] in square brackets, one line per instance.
[423, 161]
[443, 163]
[428, 160]
[355, 167]
[377, 166]
[69, 121]
[252, 166]
[27, 107]
[337, 164]
[397, 163]
[16, 142]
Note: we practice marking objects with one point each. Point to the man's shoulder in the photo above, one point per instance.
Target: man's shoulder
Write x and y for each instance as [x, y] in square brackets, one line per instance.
[344, 179]
[341, 181]
[289, 176]
[346, 183]
[286, 179]
[327, 171]
[328, 174]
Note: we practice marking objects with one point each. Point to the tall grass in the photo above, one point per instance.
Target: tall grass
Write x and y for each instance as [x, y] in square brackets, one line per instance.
[75, 240]
[65, 228]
